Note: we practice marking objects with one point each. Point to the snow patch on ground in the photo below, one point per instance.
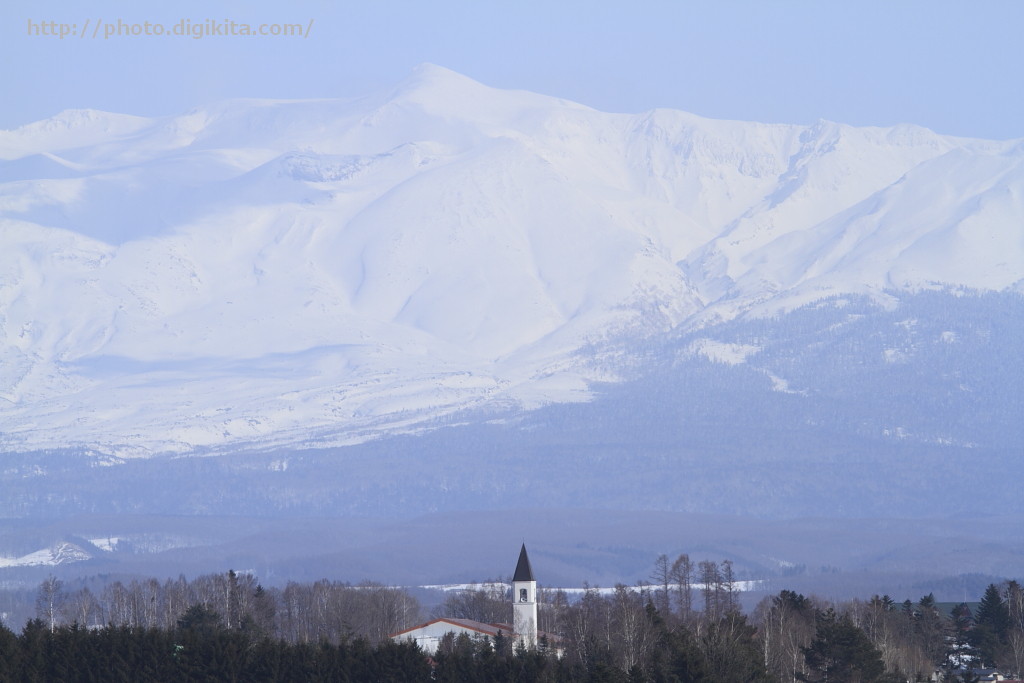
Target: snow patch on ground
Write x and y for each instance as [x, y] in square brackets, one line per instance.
[108, 544]
[722, 352]
[491, 587]
[781, 385]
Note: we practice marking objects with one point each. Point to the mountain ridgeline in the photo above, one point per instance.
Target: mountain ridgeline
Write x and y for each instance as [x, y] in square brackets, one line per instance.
[444, 297]
[258, 275]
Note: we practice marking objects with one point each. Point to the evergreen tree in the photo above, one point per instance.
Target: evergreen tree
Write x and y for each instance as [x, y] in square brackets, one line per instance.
[930, 630]
[991, 628]
[199, 618]
[9, 654]
[35, 649]
[841, 652]
[960, 654]
[730, 651]
[677, 658]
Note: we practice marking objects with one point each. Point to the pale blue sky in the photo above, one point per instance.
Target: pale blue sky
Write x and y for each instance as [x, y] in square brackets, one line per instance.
[955, 67]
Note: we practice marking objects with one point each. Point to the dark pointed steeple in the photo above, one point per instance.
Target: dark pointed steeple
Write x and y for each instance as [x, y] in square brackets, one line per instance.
[524, 572]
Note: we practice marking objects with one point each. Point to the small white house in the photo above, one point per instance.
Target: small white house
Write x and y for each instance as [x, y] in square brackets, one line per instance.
[524, 613]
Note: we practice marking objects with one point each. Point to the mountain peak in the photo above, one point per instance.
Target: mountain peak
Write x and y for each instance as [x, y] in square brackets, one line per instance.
[436, 80]
[444, 242]
[440, 90]
[427, 70]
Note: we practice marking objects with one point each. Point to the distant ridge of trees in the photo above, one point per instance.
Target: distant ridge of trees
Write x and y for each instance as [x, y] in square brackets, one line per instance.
[323, 611]
[685, 624]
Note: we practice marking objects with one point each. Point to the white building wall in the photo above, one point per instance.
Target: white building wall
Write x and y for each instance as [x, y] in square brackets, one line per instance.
[429, 637]
[525, 612]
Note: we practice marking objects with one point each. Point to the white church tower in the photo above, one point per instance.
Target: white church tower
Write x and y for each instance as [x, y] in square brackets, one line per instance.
[524, 602]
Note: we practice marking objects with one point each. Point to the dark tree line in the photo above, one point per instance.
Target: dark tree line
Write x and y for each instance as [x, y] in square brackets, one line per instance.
[200, 648]
[802, 637]
[686, 624]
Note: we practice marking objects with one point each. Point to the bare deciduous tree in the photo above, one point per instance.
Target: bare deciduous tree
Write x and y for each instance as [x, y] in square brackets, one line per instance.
[711, 587]
[682, 579]
[488, 602]
[81, 607]
[633, 626]
[786, 628]
[49, 600]
[661, 579]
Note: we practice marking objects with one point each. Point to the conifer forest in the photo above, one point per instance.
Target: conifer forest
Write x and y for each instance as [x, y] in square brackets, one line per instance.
[685, 624]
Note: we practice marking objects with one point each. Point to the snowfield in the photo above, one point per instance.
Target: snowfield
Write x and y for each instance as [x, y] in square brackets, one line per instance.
[263, 273]
[60, 553]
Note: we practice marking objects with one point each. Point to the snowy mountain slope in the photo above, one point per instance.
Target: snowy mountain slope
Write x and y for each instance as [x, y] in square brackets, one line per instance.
[58, 554]
[841, 408]
[268, 272]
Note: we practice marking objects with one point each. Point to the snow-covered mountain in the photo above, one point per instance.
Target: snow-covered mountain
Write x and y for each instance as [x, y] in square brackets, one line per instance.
[265, 273]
